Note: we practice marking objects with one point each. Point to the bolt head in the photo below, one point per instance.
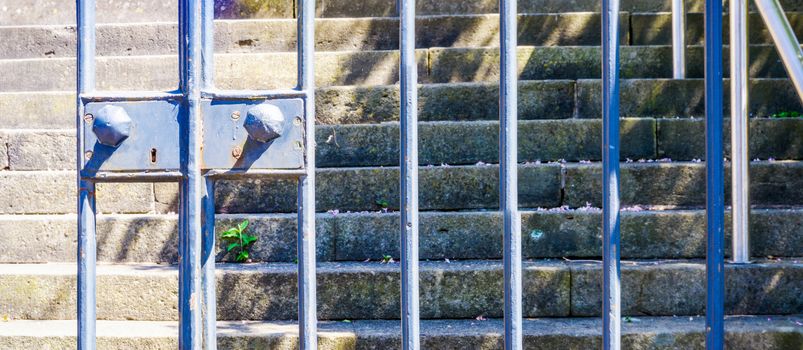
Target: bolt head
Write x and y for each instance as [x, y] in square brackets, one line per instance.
[112, 125]
[264, 122]
[236, 152]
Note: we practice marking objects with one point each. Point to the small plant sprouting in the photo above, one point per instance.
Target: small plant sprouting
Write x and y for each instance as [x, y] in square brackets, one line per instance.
[786, 114]
[236, 238]
[387, 259]
[383, 203]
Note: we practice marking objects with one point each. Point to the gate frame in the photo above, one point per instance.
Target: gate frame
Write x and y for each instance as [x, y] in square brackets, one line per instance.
[197, 314]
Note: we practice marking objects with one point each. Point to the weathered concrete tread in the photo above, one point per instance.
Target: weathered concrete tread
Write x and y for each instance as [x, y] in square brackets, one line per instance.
[538, 99]
[337, 34]
[557, 233]
[44, 11]
[467, 142]
[368, 68]
[369, 290]
[742, 332]
[448, 188]
[374, 33]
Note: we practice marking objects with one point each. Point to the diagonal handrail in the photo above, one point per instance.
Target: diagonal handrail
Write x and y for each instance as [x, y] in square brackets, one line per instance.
[788, 47]
[785, 40]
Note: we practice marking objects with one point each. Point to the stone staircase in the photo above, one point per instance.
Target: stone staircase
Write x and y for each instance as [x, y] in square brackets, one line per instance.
[662, 188]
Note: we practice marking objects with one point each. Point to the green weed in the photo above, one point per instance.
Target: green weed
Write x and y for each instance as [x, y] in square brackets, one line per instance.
[236, 238]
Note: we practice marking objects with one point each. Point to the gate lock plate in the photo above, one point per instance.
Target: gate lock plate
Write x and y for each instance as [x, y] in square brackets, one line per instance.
[144, 136]
[253, 134]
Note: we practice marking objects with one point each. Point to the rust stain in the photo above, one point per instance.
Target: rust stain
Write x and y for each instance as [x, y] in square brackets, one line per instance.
[192, 301]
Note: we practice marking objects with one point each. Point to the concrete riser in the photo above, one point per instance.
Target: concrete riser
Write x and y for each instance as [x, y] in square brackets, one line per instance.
[368, 68]
[370, 236]
[43, 12]
[461, 143]
[648, 333]
[447, 188]
[555, 99]
[362, 34]
[460, 289]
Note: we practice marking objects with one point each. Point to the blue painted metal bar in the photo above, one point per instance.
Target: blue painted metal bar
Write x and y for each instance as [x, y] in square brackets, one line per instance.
[253, 94]
[193, 185]
[208, 282]
[242, 174]
[87, 249]
[208, 44]
[611, 281]
[307, 298]
[121, 96]
[508, 174]
[715, 189]
[165, 176]
[408, 81]
[208, 260]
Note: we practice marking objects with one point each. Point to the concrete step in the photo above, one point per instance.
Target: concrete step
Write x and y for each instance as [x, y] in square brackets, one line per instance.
[538, 63]
[37, 12]
[363, 34]
[16, 12]
[656, 28]
[379, 8]
[370, 290]
[344, 236]
[436, 65]
[557, 99]
[641, 333]
[468, 142]
[444, 187]
[341, 34]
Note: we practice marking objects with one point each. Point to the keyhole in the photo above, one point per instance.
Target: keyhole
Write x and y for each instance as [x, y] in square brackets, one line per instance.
[153, 155]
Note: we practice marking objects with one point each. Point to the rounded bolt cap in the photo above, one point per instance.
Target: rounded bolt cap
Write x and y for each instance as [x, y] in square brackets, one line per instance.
[236, 152]
[264, 122]
[112, 125]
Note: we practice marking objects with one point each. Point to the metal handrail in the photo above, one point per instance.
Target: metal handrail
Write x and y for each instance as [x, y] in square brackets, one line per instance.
[740, 165]
[785, 40]
[791, 54]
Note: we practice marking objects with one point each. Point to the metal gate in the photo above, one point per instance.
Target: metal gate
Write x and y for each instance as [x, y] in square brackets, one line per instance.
[198, 134]
[194, 136]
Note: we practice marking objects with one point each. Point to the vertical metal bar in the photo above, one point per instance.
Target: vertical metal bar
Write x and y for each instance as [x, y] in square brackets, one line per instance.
[192, 186]
[508, 177]
[715, 196]
[208, 259]
[87, 250]
[408, 82]
[208, 37]
[307, 298]
[208, 282]
[785, 41]
[740, 121]
[678, 39]
[611, 284]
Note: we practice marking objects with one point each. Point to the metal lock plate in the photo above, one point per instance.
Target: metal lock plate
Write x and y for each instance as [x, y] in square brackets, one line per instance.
[146, 134]
[253, 134]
